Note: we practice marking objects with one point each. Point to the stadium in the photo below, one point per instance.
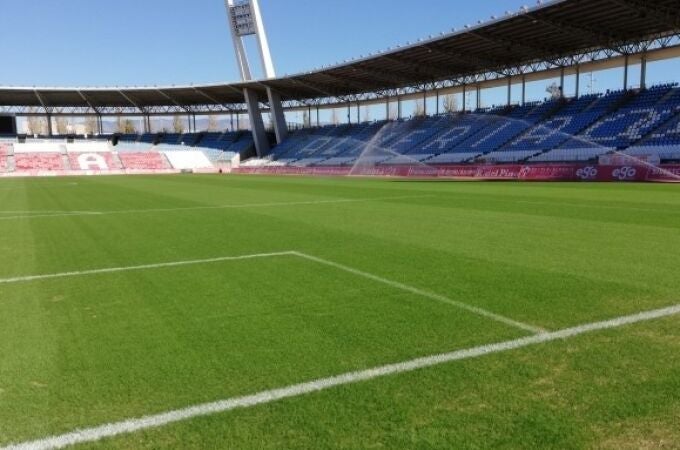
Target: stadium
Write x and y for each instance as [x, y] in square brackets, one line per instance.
[457, 242]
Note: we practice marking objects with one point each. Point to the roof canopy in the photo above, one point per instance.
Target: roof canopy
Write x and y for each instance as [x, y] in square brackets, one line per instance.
[549, 32]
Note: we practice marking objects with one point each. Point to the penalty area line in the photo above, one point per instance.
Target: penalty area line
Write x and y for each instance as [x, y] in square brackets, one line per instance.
[207, 409]
[192, 262]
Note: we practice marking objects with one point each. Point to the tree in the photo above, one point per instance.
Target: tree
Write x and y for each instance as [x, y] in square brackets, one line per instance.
[129, 127]
[178, 124]
[555, 91]
[35, 124]
[450, 104]
[91, 126]
[62, 125]
[213, 124]
[126, 126]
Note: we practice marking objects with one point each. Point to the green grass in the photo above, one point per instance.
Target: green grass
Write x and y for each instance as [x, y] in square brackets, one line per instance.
[78, 352]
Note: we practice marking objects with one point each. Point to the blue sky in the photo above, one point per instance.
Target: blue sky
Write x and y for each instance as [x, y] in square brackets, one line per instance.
[146, 42]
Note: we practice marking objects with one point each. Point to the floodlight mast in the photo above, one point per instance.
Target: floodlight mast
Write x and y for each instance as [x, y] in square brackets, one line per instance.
[245, 19]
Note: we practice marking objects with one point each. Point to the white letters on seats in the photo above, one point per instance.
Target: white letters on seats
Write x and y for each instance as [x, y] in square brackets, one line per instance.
[646, 119]
[92, 161]
[445, 139]
[542, 133]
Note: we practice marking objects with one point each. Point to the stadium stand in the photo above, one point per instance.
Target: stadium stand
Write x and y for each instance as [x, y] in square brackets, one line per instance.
[551, 131]
[644, 123]
[631, 123]
[144, 161]
[4, 158]
[188, 159]
[42, 162]
[103, 161]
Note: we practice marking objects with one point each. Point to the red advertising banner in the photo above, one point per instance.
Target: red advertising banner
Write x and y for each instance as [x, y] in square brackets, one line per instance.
[534, 172]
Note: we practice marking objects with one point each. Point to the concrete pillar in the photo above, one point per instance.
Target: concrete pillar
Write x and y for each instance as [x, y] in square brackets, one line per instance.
[425, 103]
[625, 73]
[509, 90]
[256, 123]
[643, 72]
[524, 90]
[578, 81]
[278, 115]
[464, 98]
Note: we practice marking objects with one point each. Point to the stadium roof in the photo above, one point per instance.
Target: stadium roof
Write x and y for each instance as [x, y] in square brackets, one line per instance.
[547, 32]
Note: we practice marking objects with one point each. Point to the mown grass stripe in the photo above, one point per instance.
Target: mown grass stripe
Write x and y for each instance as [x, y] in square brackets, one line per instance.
[394, 284]
[155, 421]
[432, 296]
[208, 207]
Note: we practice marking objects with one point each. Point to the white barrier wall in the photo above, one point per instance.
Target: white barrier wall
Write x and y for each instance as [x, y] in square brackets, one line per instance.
[39, 147]
[186, 160]
[88, 147]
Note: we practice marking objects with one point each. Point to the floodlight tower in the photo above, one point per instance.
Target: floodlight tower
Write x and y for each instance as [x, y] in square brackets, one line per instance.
[245, 19]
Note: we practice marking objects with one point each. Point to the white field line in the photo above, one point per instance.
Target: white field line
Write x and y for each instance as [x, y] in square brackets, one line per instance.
[44, 212]
[43, 215]
[213, 207]
[25, 279]
[206, 409]
[51, 186]
[426, 294]
[580, 205]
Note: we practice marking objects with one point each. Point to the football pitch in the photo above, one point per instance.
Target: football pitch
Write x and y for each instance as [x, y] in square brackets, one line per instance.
[321, 313]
